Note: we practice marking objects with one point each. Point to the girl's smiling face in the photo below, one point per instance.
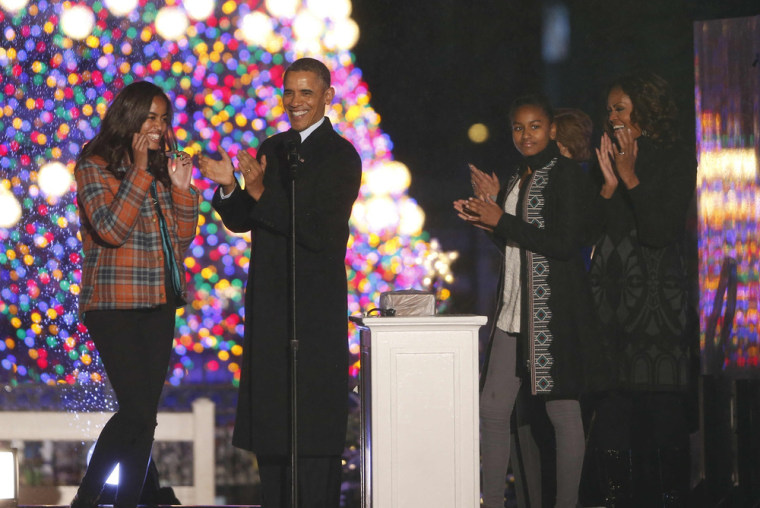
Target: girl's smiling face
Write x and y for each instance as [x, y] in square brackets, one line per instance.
[154, 127]
[531, 129]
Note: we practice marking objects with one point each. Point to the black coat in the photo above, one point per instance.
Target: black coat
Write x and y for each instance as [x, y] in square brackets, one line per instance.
[638, 276]
[327, 184]
[561, 200]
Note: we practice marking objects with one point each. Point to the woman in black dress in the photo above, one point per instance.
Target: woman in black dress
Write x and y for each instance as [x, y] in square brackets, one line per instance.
[640, 429]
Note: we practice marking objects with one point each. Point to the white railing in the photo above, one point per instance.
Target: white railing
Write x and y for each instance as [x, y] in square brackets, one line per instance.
[197, 427]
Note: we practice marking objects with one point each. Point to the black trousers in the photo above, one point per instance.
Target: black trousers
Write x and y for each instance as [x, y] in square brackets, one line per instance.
[318, 481]
[134, 346]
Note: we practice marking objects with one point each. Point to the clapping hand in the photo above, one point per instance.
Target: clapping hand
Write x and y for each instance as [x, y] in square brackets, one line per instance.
[625, 157]
[483, 184]
[253, 173]
[625, 161]
[482, 213]
[181, 170]
[221, 172]
[605, 157]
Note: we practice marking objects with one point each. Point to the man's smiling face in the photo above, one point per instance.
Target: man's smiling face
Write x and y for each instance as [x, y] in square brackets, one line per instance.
[305, 98]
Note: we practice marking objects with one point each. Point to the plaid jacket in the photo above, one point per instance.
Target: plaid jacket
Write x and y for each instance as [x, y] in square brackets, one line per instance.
[123, 265]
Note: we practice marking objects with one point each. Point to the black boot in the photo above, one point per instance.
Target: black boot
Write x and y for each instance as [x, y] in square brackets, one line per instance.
[82, 501]
[614, 471]
[133, 468]
[673, 469]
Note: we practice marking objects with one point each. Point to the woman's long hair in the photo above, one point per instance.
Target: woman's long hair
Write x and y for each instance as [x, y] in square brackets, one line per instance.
[124, 117]
[654, 109]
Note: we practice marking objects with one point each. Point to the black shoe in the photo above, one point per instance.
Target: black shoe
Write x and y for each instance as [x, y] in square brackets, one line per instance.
[81, 501]
[615, 477]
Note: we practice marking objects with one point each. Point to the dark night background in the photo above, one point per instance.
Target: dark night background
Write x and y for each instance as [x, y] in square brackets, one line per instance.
[436, 67]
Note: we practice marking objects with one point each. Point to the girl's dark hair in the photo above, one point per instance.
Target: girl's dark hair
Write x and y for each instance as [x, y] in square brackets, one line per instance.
[124, 117]
[654, 109]
[534, 99]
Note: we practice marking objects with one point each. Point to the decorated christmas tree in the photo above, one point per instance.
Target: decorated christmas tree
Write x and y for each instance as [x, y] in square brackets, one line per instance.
[222, 64]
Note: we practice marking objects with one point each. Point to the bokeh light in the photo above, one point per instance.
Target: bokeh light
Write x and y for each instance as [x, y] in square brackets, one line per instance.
[344, 35]
[77, 21]
[199, 10]
[257, 28]
[335, 9]
[387, 178]
[478, 133]
[13, 6]
[171, 23]
[284, 9]
[307, 27]
[54, 179]
[412, 218]
[121, 7]
[54, 90]
[10, 209]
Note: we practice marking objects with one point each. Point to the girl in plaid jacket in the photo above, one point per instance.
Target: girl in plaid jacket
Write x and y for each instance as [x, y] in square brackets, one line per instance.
[138, 214]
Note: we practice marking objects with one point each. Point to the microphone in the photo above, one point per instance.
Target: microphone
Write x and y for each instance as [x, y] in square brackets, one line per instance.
[292, 145]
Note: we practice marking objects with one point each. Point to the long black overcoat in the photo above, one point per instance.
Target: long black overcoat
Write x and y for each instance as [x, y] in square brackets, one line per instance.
[328, 180]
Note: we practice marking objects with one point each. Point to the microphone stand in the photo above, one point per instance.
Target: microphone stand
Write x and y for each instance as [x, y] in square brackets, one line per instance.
[293, 162]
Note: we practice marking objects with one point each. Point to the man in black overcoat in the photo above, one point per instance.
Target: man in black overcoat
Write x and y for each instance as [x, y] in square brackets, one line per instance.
[327, 184]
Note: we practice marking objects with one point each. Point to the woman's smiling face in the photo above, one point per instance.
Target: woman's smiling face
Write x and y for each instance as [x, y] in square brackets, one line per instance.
[619, 109]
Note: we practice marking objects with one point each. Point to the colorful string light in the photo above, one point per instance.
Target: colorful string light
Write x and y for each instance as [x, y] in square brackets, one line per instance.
[62, 62]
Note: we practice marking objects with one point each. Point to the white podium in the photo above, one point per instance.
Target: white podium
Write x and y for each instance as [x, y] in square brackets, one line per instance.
[419, 397]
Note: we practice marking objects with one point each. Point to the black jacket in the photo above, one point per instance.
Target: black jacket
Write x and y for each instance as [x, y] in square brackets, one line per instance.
[557, 321]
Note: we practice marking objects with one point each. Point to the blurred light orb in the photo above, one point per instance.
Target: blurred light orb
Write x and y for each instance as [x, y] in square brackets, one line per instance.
[330, 9]
[121, 7]
[199, 9]
[171, 23]
[388, 178]
[343, 36]
[478, 133]
[54, 179]
[412, 218]
[257, 28]
[282, 8]
[381, 213]
[13, 6]
[10, 209]
[77, 21]
[359, 217]
[307, 27]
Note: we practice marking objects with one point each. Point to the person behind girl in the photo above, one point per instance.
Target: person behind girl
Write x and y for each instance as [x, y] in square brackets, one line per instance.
[138, 215]
[537, 221]
[574, 129]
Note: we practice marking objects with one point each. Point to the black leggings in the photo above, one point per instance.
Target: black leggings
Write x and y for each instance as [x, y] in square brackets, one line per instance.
[134, 346]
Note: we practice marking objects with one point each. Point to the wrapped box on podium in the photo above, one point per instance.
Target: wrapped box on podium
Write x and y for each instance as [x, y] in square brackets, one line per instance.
[408, 302]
